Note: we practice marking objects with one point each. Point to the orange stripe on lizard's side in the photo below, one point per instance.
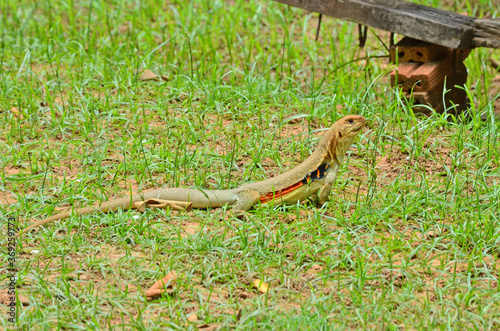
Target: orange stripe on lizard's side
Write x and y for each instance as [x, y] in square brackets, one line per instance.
[310, 177]
[274, 195]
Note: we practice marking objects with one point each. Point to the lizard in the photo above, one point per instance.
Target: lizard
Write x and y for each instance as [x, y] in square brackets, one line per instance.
[315, 177]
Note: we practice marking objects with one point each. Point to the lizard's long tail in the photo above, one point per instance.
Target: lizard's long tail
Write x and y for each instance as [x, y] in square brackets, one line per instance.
[199, 199]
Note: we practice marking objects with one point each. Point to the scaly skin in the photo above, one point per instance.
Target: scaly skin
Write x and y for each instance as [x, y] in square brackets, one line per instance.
[288, 188]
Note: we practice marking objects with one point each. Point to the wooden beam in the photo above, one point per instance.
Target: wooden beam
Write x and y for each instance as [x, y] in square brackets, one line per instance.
[486, 33]
[409, 19]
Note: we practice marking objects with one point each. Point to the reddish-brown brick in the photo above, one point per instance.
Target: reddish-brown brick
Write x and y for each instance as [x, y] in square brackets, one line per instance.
[412, 50]
[430, 75]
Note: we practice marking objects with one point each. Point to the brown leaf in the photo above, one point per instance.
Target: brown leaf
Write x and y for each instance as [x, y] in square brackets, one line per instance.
[153, 293]
[260, 285]
[168, 280]
[158, 287]
[149, 75]
[17, 114]
[207, 327]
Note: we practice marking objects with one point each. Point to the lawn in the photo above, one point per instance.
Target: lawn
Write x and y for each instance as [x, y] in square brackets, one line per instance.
[410, 238]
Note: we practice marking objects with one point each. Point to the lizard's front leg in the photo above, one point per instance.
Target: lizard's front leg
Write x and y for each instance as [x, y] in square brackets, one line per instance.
[325, 190]
[245, 200]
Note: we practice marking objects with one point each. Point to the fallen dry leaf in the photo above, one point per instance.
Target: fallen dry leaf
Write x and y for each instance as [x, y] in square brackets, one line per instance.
[17, 114]
[260, 285]
[149, 75]
[207, 327]
[150, 294]
[158, 287]
[167, 280]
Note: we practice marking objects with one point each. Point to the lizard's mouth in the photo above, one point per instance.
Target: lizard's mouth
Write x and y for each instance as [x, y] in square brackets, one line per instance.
[360, 126]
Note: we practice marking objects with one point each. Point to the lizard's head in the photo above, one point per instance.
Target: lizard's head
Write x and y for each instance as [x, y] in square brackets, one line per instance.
[349, 126]
[341, 135]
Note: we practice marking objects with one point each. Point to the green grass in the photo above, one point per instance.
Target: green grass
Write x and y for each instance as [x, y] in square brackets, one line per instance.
[410, 238]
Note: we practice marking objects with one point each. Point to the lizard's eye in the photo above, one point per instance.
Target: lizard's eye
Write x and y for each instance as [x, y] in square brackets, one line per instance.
[350, 121]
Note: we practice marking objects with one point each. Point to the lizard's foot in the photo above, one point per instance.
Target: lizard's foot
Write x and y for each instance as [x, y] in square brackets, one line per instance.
[242, 216]
[320, 203]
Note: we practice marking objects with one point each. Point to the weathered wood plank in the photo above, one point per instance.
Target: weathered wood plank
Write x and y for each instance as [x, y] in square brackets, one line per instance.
[420, 22]
[486, 33]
